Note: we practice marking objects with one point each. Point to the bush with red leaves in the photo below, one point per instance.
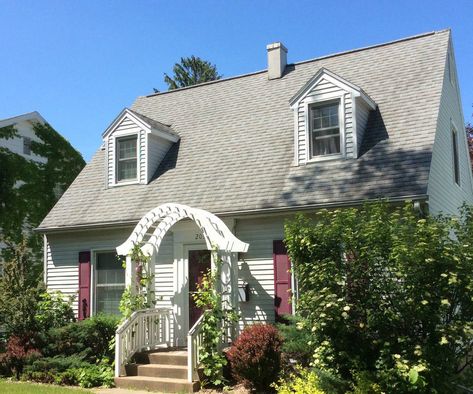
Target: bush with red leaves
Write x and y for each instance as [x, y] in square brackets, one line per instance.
[18, 352]
[255, 357]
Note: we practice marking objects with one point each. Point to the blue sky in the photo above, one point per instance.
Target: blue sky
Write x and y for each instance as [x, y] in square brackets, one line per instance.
[80, 62]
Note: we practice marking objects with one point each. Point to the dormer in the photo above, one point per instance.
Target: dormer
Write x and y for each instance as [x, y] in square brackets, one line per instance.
[330, 118]
[135, 145]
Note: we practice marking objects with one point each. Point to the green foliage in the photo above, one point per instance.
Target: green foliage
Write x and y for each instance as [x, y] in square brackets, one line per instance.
[296, 334]
[100, 374]
[139, 295]
[88, 338]
[191, 71]
[387, 293]
[214, 322]
[70, 370]
[28, 190]
[303, 381]
[53, 311]
[20, 292]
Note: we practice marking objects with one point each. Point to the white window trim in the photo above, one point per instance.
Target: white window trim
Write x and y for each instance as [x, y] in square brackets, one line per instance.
[138, 159]
[320, 99]
[93, 277]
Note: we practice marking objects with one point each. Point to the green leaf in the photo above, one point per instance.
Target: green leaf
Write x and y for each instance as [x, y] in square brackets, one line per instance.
[413, 376]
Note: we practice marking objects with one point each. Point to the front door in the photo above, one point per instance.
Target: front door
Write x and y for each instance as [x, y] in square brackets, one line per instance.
[199, 265]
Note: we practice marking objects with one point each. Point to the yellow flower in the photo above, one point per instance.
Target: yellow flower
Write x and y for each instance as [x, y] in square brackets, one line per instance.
[424, 302]
[444, 341]
[346, 308]
[445, 302]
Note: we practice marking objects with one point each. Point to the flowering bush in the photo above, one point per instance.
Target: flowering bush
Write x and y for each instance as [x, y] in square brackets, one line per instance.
[387, 293]
[303, 381]
[255, 357]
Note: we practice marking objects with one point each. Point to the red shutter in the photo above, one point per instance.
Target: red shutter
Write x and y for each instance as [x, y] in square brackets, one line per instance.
[282, 280]
[84, 285]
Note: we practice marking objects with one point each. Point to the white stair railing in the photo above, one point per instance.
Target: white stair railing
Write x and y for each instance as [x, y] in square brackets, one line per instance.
[194, 342]
[146, 329]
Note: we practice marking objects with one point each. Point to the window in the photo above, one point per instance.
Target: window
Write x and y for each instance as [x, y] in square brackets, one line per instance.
[451, 71]
[109, 283]
[324, 129]
[27, 146]
[456, 164]
[126, 158]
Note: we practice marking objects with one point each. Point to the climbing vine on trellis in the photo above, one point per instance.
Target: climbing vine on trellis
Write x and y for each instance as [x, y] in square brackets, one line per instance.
[216, 319]
[140, 294]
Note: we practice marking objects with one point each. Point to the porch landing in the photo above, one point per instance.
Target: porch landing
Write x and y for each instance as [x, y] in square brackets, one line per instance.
[161, 370]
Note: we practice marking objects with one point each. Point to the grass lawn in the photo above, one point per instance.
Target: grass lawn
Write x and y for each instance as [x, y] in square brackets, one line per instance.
[33, 388]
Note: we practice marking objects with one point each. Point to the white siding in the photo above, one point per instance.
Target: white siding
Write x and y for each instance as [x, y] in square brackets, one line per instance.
[444, 194]
[63, 254]
[164, 273]
[157, 149]
[324, 88]
[24, 128]
[126, 127]
[362, 115]
[256, 267]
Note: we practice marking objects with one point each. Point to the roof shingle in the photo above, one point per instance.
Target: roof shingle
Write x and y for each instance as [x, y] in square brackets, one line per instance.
[237, 139]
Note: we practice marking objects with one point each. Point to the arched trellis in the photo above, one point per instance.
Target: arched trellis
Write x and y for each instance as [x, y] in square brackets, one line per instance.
[216, 234]
[214, 230]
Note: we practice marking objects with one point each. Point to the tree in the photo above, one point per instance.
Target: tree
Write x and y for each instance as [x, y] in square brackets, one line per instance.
[191, 71]
[387, 294]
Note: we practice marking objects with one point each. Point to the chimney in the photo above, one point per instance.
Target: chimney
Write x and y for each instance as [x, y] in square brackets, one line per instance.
[277, 60]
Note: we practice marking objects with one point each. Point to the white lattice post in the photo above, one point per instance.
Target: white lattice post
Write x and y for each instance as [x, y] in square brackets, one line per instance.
[226, 284]
[129, 273]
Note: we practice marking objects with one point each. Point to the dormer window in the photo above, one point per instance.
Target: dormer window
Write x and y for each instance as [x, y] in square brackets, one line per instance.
[134, 147]
[126, 158]
[330, 118]
[325, 129]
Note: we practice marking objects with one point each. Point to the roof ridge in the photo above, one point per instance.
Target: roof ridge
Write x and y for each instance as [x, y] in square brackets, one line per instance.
[413, 37]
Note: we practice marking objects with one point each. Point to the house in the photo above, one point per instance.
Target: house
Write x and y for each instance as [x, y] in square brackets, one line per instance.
[245, 153]
[21, 143]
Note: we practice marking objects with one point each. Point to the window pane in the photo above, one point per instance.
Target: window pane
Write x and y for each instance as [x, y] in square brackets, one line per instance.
[127, 169]
[127, 148]
[108, 299]
[456, 164]
[110, 283]
[325, 146]
[26, 146]
[325, 116]
[109, 269]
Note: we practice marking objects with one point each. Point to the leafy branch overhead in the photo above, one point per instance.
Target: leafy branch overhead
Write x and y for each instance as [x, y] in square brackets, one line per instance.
[191, 71]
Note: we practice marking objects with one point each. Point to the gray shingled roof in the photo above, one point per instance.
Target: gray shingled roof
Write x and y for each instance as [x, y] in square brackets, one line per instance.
[237, 141]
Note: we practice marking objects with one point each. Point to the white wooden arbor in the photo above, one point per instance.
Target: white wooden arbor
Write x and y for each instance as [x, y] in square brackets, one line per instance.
[216, 234]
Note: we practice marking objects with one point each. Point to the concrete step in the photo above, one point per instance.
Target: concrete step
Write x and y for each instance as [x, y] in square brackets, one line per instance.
[174, 357]
[157, 370]
[167, 385]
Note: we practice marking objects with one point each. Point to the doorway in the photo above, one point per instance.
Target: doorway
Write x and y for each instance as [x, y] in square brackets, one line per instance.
[200, 262]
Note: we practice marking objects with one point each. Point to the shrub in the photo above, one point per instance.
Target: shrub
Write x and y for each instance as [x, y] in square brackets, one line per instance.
[54, 311]
[255, 357]
[70, 370]
[304, 381]
[89, 338]
[390, 295]
[19, 351]
[297, 337]
[95, 375]
[20, 289]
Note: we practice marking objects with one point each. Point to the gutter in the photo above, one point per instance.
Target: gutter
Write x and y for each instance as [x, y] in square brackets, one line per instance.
[241, 213]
